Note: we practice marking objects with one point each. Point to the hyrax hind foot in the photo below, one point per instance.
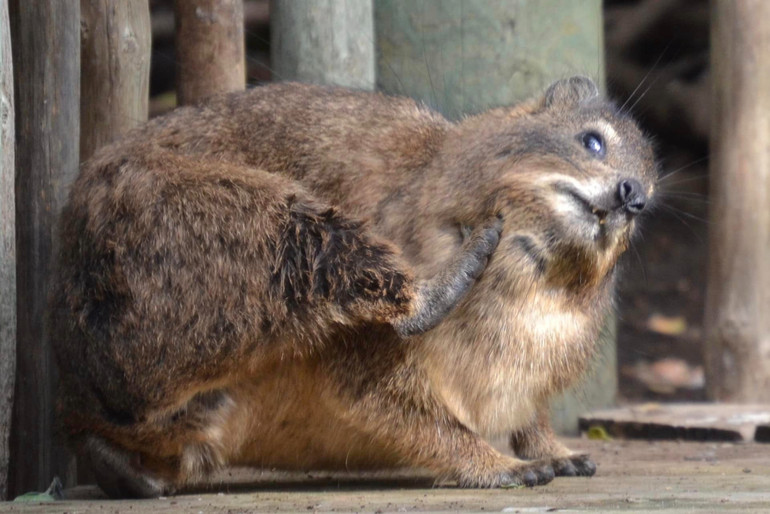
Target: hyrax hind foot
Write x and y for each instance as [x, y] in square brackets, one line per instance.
[539, 443]
[438, 296]
[120, 474]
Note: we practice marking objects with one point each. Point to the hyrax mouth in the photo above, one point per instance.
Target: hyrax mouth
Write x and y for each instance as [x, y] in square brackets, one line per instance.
[598, 212]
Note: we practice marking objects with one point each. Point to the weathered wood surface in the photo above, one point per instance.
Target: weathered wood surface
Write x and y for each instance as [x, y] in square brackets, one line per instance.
[46, 39]
[210, 48]
[686, 422]
[7, 246]
[632, 476]
[738, 297]
[323, 42]
[115, 73]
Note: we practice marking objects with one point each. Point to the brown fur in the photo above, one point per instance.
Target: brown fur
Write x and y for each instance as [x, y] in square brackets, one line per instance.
[217, 301]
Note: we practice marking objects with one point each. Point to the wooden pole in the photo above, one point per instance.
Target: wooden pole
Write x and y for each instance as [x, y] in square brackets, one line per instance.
[210, 48]
[46, 48]
[738, 298]
[7, 247]
[466, 56]
[115, 41]
[323, 42]
[115, 73]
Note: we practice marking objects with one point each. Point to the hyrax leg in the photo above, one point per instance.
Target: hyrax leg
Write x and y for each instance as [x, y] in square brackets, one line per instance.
[436, 297]
[454, 452]
[176, 265]
[166, 452]
[457, 453]
[119, 474]
[538, 442]
[392, 402]
[323, 255]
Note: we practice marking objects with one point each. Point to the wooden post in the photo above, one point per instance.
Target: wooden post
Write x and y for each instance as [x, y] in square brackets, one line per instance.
[466, 56]
[46, 49]
[738, 298]
[7, 247]
[323, 42]
[115, 72]
[210, 48]
[115, 41]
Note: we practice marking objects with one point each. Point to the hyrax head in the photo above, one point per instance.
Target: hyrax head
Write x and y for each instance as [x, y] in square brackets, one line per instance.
[569, 172]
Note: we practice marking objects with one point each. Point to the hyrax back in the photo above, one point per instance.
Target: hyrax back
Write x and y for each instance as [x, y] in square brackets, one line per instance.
[236, 281]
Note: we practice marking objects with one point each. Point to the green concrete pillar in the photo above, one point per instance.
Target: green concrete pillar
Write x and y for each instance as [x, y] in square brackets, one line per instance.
[463, 56]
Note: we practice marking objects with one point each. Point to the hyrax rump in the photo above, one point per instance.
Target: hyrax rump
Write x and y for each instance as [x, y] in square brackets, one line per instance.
[251, 282]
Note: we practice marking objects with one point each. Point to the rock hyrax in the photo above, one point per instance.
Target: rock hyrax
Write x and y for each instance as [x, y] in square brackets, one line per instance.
[303, 277]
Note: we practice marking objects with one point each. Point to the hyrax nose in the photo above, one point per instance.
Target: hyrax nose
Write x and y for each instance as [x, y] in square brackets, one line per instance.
[631, 195]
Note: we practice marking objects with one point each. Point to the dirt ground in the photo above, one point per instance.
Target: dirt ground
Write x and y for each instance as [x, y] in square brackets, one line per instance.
[633, 476]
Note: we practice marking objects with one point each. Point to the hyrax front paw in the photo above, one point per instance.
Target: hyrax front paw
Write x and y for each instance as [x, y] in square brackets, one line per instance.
[526, 474]
[437, 297]
[478, 245]
[574, 466]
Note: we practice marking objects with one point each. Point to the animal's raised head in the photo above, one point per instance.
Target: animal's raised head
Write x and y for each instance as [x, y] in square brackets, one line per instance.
[569, 171]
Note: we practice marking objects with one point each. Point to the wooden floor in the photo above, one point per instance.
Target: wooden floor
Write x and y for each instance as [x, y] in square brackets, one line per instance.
[632, 477]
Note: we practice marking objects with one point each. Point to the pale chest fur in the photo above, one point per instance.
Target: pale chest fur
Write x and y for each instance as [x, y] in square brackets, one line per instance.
[504, 352]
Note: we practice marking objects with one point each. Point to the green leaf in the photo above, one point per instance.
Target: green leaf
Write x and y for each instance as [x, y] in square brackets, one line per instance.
[34, 497]
[54, 492]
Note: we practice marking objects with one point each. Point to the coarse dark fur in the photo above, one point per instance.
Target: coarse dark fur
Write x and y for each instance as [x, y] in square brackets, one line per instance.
[252, 281]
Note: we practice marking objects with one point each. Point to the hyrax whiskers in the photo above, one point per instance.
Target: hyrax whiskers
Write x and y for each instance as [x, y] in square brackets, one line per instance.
[303, 277]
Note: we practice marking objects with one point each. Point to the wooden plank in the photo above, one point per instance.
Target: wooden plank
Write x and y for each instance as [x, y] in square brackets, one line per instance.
[687, 422]
[632, 476]
[210, 48]
[326, 42]
[7, 246]
[115, 72]
[738, 296]
[46, 38]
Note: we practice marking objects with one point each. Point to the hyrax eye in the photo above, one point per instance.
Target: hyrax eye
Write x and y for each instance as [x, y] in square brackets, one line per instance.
[594, 143]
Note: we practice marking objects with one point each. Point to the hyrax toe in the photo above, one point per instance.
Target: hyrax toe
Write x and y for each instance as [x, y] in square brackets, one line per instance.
[574, 466]
[537, 474]
[564, 468]
[482, 242]
[584, 466]
[526, 474]
[437, 296]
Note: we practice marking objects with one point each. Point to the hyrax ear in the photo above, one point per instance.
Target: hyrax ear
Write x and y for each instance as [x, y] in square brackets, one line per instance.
[570, 92]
